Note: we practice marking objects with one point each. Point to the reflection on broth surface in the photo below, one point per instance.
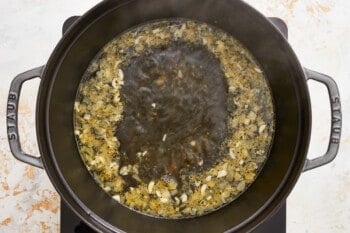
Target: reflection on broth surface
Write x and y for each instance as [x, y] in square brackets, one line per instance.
[174, 118]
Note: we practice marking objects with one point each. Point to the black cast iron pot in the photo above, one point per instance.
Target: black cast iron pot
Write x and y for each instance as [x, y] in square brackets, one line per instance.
[60, 78]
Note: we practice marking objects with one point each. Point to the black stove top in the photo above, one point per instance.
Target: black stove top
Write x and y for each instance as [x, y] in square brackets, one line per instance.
[71, 223]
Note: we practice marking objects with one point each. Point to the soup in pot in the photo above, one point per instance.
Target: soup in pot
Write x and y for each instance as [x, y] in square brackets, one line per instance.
[174, 118]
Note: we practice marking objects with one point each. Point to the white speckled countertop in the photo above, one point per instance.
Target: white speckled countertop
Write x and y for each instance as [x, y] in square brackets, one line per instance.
[319, 32]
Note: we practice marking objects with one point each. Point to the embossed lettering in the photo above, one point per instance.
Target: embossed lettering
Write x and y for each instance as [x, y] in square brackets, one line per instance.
[335, 100]
[336, 119]
[335, 140]
[12, 96]
[11, 116]
[336, 130]
[336, 110]
[11, 106]
[11, 126]
[12, 136]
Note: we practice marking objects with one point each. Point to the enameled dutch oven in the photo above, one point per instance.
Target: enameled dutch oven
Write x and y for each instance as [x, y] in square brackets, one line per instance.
[60, 78]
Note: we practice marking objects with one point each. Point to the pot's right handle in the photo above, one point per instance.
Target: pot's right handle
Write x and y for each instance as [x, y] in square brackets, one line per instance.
[12, 117]
[336, 120]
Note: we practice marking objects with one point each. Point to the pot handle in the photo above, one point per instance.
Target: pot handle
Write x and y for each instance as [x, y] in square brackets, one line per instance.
[336, 120]
[12, 117]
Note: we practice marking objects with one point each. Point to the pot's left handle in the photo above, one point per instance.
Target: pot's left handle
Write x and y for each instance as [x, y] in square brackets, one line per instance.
[12, 117]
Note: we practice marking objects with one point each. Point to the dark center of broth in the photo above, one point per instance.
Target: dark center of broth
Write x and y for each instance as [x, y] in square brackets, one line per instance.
[175, 110]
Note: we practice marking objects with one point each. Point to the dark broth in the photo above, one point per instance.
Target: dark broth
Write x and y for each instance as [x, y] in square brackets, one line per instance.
[174, 96]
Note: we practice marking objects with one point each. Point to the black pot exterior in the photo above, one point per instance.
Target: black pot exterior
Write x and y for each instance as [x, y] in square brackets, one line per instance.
[91, 32]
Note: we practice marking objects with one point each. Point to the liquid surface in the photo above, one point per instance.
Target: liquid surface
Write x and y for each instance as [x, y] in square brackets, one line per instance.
[173, 96]
[174, 119]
